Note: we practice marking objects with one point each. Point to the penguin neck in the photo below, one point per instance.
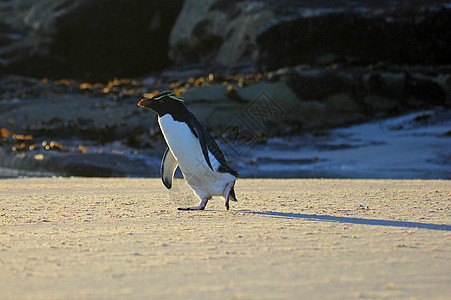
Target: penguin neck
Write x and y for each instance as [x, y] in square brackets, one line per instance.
[181, 114]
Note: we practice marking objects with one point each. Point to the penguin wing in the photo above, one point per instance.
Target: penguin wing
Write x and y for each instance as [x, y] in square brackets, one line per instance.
[205, 140]
[207, 143]
[168, 166]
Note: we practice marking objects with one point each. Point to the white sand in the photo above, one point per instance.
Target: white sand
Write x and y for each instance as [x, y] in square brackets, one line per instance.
[285, 239]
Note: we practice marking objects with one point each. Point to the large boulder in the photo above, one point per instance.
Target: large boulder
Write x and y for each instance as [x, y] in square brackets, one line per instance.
[80, 38]
[404, 36]
[271, 34]
[221, 32]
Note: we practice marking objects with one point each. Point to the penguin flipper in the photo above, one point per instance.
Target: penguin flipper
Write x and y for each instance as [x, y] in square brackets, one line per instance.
[168, 166]
[204, 140]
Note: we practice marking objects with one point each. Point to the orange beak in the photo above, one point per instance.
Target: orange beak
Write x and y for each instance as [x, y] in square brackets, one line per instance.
[143, 102]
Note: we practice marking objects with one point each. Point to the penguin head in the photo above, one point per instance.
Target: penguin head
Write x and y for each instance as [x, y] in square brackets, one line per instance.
[165, 102]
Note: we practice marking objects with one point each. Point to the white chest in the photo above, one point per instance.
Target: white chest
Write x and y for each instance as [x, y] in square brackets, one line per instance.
[184, 145]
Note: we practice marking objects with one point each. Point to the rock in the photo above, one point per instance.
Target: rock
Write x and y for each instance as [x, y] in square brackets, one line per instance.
[244, 108]
[320, 98]
[94, 39]
[102, 39]
[45, 110]
[76, 164]
[216, 30]
[404, 34]
[268, 35]
[444, 81]
[379, 104]
[306, 98]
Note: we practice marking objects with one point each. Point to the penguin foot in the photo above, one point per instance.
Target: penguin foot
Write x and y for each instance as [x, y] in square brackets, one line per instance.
[192, 208]
[229, 193]
[201, 205]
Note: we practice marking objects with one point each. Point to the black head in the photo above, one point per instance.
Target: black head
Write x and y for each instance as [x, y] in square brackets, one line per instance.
[163, 103]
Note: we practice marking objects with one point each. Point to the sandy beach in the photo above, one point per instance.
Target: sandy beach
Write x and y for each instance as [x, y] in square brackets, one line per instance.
[89, 238]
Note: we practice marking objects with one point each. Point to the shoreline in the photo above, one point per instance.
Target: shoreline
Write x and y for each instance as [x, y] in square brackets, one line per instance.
[410, 146]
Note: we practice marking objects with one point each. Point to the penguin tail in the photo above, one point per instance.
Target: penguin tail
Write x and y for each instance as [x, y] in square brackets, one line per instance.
[232, 195]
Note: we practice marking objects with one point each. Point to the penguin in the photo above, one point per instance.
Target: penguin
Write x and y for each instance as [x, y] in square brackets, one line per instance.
[193, 150]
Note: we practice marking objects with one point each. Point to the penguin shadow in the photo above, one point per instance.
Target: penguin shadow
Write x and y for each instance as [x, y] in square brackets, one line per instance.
[349, 220]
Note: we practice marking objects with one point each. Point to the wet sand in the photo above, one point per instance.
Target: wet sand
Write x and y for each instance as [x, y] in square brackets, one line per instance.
[65, 238]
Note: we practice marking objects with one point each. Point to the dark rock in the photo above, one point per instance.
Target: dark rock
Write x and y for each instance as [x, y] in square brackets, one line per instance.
[272, 34]
[94, 39]
[77, 164]
[320, 83]
[288, 100]
[352, 37]
[217, 31]
[101, 39]
[318, 98]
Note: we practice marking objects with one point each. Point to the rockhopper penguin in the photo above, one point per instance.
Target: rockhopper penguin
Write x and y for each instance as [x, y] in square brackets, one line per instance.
[193, 149]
